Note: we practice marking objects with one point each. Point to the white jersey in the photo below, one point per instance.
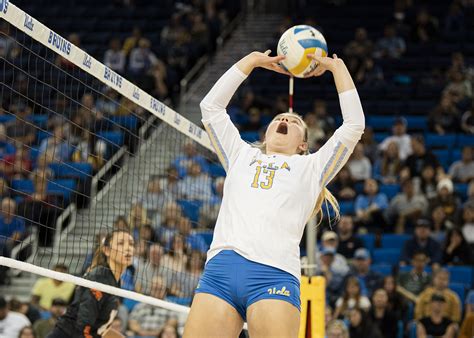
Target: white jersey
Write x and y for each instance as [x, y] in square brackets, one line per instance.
[269, 198]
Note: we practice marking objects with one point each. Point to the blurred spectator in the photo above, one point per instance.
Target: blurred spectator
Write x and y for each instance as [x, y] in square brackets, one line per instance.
[390, 164]
[358, 50]
[189, 155]
[147, 269]
[90, 150]
[137, 218]
[141, 58]
[370, 205]
[425, 29]
[6, 42]
[46, 290]
[426, 183]
[452, 308]
[459, 87]
[155, 197]
[170, 32]
[454, 22]
[330, 240]
[314, 130]
[445, 117]
[17, 165]
[467, 327]
[27, 332]
[169, 331]
[132, 41]
[440, 224]
[254, 120]
[380, 314]
[458, 64]
[360, 325]
[6, 145]
[456, 251]
[400, 137]
[169, 220]
[114, 57]
[420, 157]
[468, 223]
[391, 46]
[192, 241]
[325, 121]
[462, 171]
[108, 103]
[43, 326]
[368, 279]
[343, 185]
[445, 197]
[57, 144]
[4, 188]
[148, 320]
[11, 322]
[171, 181]
[406, 207]
[208, 216]
[435, 324]
[334, 277]
[21, 129]
[159, 75]
[351, 298]
[421, 241]
[359, 165]
[413, 282]
[12, 228]
[467, 120]
[369, 73]
[187, 281]
[370, 145]
[176, 258]
[396, 302]
[196, 185]
[337, 329]
[348, 242]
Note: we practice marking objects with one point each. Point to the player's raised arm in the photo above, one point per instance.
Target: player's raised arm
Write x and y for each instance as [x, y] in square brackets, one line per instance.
[222, 132]
[336, 151]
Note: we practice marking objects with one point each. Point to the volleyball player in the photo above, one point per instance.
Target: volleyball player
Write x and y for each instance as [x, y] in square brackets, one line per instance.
[92, 312]
[253, 266]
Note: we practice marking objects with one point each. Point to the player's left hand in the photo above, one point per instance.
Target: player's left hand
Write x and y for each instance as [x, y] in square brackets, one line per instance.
[271, 62]
[325, 63]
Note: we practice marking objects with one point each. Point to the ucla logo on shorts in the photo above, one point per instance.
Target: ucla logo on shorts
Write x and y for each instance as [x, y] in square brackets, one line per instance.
[283, 291]
[4, 6]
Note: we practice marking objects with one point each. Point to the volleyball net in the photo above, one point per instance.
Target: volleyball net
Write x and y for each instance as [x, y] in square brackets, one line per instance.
[84, 151]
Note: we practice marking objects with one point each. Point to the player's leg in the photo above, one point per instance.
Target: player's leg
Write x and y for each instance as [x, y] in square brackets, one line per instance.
[273, 318]
[211, 316]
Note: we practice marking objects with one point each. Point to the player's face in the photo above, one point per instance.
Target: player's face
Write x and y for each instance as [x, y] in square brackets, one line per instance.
[286, 134]
[121, 248]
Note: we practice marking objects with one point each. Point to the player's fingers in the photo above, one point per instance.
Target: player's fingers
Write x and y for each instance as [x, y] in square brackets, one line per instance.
[267, 52]
[335, 56]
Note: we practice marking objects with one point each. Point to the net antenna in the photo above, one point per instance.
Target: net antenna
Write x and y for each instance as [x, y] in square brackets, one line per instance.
[290, 94]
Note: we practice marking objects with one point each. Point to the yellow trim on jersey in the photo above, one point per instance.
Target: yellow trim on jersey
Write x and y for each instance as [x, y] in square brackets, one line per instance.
[217, 146]
[339, 153]
[304, 62]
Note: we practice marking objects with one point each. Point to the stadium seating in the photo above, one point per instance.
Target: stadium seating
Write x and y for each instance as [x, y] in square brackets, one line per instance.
[369, 241]
[394, 241]
[386, 256]
[71, 169]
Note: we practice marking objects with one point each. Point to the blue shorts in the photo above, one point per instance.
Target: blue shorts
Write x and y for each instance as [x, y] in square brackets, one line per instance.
[241, 282]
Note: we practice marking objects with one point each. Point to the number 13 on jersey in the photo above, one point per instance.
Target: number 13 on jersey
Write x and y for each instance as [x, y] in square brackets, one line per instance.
[267, 181]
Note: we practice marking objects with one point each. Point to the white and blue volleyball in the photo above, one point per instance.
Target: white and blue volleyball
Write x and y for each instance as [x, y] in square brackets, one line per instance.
[296, 43]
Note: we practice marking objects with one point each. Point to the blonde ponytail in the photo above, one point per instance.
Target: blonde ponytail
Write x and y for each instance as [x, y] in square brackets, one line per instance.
[328, 198]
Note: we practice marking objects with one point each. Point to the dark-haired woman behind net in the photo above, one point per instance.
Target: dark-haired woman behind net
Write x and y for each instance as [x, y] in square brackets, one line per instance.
[92, 312]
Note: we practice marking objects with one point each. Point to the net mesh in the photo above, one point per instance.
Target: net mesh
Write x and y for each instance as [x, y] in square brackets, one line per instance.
[79, 159]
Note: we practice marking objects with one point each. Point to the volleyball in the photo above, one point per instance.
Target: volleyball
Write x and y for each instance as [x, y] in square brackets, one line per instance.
[296, 43]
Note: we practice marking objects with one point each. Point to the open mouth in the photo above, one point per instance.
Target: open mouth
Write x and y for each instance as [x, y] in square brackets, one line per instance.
[282, 128]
